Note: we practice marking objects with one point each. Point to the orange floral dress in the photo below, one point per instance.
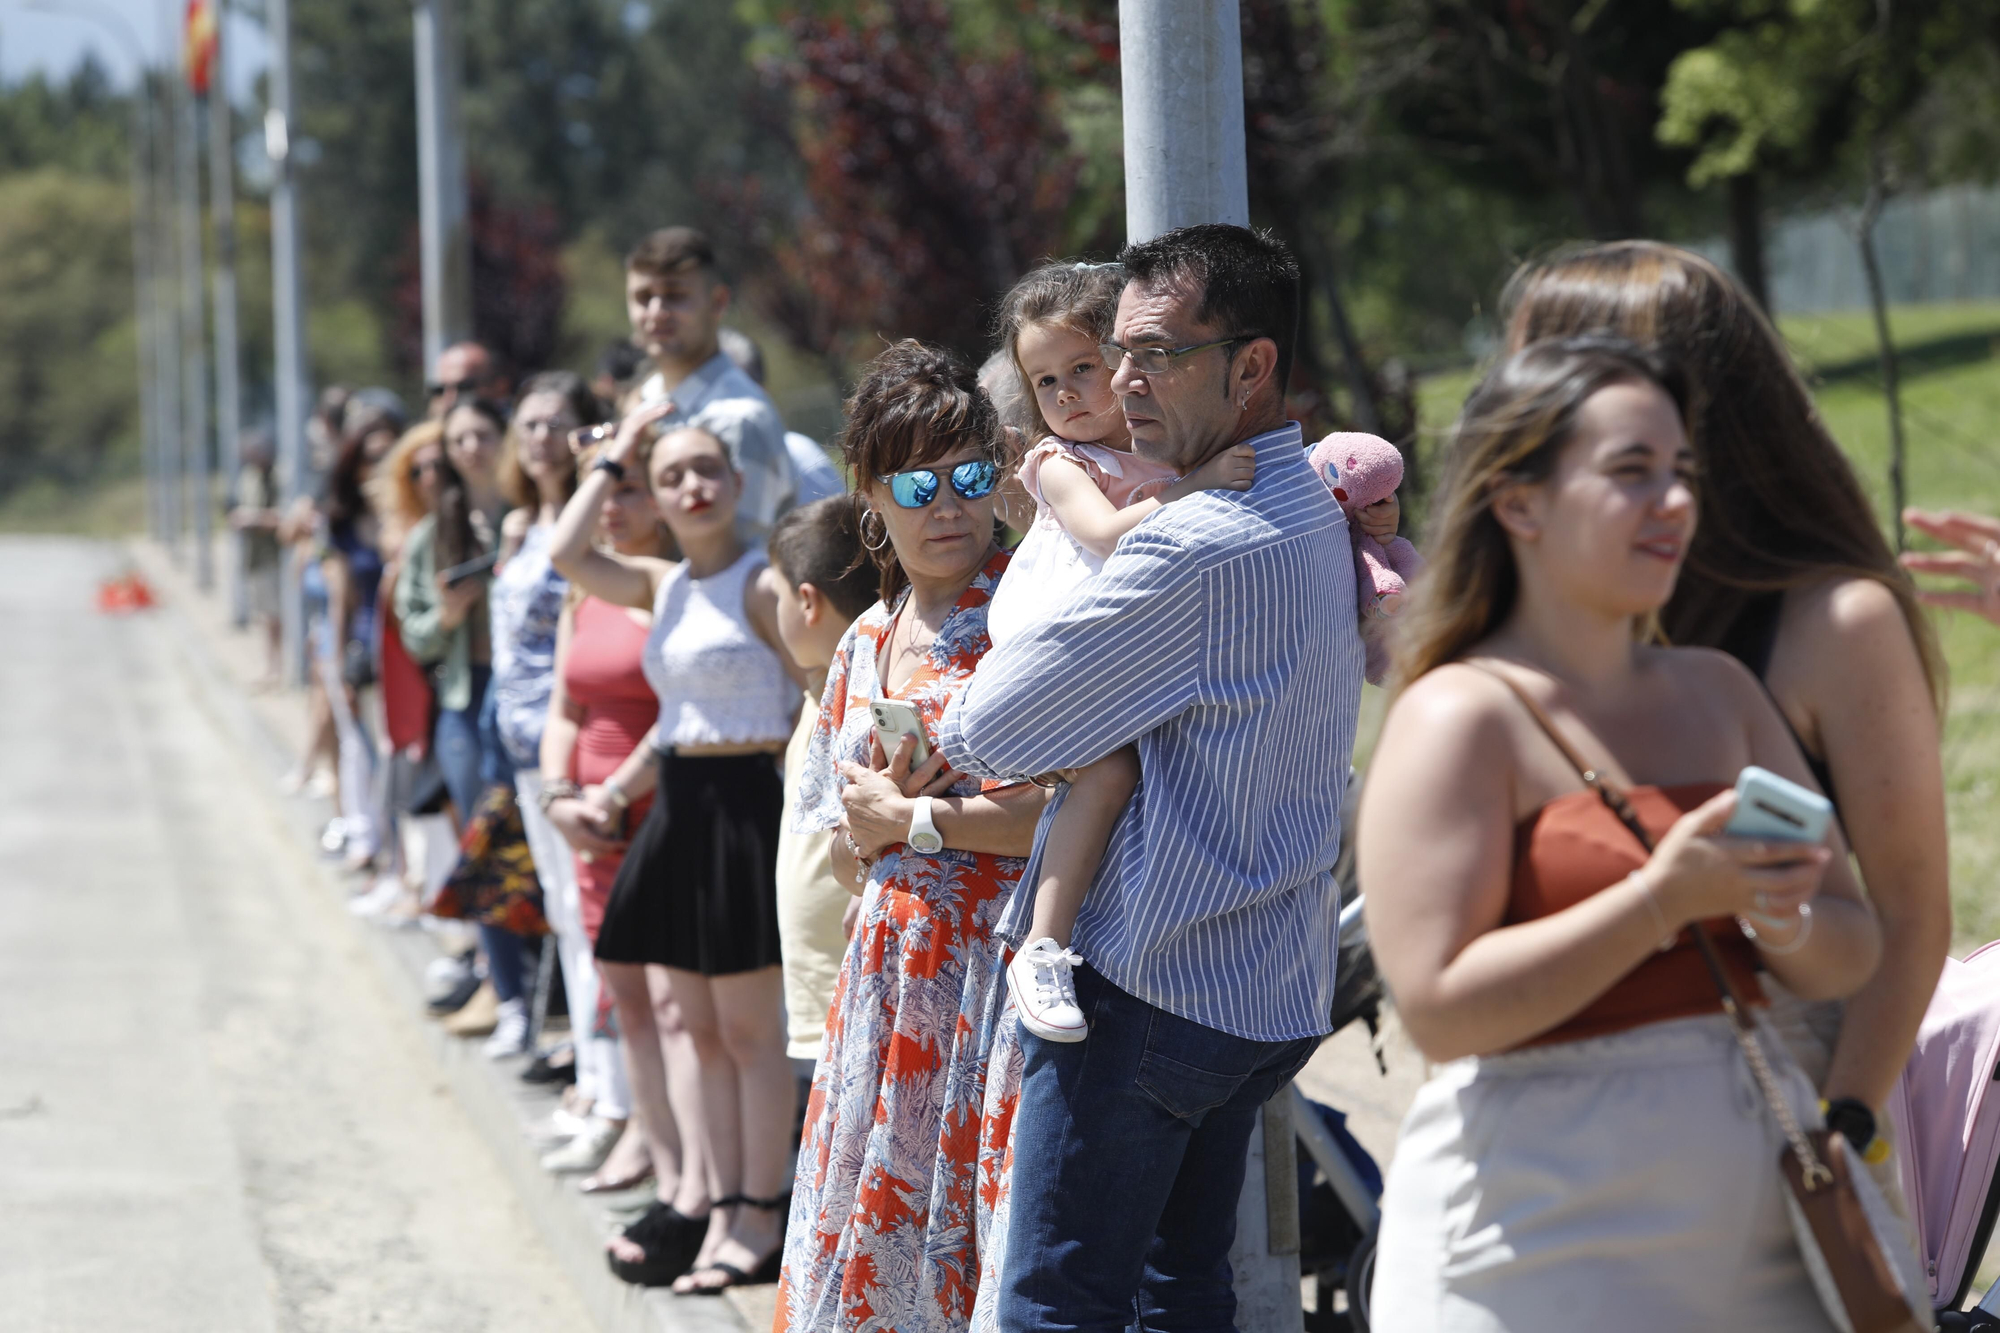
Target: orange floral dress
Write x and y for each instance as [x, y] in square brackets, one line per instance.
[903, 1165]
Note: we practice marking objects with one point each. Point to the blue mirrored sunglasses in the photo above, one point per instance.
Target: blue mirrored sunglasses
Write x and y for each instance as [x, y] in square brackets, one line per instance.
[973, 480]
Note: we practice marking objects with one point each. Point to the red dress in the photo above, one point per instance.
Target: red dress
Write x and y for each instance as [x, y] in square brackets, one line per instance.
[603, 679]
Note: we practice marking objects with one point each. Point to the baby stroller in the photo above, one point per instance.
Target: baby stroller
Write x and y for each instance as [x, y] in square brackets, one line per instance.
[1339, 1183]
[1947, 1120]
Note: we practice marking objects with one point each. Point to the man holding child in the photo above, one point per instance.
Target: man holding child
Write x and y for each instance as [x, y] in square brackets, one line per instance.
[1221, 639]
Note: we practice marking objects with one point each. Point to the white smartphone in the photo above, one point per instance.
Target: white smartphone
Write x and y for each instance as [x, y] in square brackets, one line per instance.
[894, 720]
[1777, 809]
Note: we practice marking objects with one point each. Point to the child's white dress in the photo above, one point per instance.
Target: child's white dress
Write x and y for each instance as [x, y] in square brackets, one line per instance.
[1049, 563]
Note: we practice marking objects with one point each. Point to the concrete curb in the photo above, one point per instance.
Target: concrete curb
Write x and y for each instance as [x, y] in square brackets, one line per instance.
[502, 1108]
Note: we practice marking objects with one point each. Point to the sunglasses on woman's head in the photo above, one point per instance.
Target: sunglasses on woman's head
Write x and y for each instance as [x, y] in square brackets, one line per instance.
[973, 480]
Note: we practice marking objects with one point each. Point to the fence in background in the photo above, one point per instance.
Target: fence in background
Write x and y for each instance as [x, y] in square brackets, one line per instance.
[1940, 246]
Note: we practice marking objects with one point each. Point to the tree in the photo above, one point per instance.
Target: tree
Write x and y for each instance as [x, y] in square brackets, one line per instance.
[579, 117]
[1535, 95]
[1823, 87]
[518, 287]
[932, 178]
[69, 410]
[1298, 132]
[69, 405]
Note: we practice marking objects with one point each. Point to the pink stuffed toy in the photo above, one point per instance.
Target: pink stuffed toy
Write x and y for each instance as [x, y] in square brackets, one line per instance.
[1362, 470]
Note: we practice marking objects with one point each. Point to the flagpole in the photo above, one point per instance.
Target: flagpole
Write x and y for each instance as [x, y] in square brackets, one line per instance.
[222, 220]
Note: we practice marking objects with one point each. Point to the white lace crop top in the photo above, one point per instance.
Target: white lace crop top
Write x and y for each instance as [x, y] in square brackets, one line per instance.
[718, 682]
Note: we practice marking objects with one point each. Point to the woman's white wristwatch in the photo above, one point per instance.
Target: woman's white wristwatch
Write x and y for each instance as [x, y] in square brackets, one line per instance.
[924, 836]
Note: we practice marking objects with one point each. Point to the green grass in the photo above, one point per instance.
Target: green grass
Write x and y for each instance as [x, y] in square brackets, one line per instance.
[115, 508]
[1951, 401]
[1950, 359]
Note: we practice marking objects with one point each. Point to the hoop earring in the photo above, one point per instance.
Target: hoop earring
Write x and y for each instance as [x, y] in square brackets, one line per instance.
[876, 546]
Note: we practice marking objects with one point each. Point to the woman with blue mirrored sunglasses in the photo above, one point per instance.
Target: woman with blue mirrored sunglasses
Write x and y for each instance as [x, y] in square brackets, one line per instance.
[974, 479]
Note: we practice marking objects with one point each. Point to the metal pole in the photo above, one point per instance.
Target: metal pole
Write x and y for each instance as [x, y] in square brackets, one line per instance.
[1181, 65]
[441, 191]
[142, 308]
[1182, 71]
[222, 218]
[166, 313]
[287, 315]
[187, 180]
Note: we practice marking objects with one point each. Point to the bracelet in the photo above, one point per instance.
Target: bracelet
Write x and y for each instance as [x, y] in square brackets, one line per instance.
[556, 789]
[1668, 935]
[616, 796]
[610, 466]
[1797, 943]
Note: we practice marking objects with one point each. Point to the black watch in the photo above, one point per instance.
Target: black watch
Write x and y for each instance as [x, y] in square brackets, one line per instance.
[610, 465]
[1853, 1119]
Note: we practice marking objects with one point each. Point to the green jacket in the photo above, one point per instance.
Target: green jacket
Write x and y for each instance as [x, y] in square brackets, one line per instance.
[420, 620]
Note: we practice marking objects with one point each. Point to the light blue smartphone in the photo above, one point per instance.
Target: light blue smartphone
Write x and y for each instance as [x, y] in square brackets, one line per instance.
[1777, 809]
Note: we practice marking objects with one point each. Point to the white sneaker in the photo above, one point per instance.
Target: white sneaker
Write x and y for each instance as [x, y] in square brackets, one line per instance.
[510, 1031]
[443, 975]
[587, 1151]
[1044, 994]
[388, 891]
[561, 1127]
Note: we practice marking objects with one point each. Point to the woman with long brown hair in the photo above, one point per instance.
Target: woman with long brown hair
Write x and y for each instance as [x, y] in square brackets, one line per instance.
[1791, 574]
[1592, 1150]
[403, 491]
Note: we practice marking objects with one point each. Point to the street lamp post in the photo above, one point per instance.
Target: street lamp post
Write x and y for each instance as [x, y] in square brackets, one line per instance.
[287, 315]
[187, 182]
[222, 219]
[1181, 66]
[443, 235]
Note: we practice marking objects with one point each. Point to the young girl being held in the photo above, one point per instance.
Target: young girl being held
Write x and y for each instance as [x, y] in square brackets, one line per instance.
[1089, 489]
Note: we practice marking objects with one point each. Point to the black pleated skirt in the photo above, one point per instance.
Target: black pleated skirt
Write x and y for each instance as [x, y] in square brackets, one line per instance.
[698, 889]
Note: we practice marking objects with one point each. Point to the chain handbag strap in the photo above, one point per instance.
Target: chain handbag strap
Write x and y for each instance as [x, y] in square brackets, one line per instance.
[1812, 1170]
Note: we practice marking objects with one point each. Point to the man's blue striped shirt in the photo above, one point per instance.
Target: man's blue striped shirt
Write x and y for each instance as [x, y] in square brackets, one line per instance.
[1221, 638]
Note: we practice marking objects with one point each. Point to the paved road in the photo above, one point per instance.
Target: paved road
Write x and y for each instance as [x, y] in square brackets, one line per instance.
[211, 1115]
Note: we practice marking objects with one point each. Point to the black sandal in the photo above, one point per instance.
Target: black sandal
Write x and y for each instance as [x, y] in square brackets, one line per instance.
[671, 1240]
[767, 1269]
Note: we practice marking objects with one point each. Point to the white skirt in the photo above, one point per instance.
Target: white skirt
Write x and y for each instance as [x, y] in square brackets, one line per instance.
[1627, 1182]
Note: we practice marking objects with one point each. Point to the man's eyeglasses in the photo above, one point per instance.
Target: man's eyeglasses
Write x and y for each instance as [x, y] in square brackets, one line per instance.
[1156, 360]
[974, 479]
[438, 389]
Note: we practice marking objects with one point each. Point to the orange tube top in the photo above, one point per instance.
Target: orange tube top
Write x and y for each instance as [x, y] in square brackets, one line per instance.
[1574, 847]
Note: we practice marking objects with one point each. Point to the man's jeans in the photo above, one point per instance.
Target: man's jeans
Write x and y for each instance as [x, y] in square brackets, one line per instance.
[1128, 1159]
